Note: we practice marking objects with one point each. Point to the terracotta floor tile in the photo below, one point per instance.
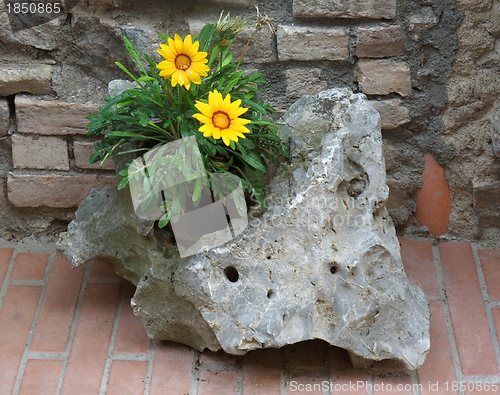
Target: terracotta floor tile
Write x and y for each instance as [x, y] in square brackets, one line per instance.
[172, 369]
[220, 357]
[41, 377]
[433, 200]
[310, 385]
[344, 379]
[438, 366]
[262, 372]
[5, 256]
[58, 307]
[16, 318]
[468, 314]
[490, 262]
[398, 385]
[418, 261]
[29, 266]
[131, 336]
[101, 269]
[90, 347]
[127, 378]
[217, 382]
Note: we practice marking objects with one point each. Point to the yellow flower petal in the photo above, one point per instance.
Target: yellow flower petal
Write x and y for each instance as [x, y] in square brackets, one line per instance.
[193, 77]
[179, 44]
[221, 113]
[204, 109]
[216, 133]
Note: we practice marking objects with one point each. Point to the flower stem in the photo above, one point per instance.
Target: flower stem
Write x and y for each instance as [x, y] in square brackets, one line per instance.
[244, 50]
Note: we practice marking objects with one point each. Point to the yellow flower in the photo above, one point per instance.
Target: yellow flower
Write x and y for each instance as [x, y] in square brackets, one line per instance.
[221, 118]
[182, 61]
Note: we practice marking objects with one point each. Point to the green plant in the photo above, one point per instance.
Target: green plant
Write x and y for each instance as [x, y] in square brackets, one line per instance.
[165, 106]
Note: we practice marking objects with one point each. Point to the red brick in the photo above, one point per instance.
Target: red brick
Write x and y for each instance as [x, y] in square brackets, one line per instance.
[29, 266]
[438, 366]
[131, 336]
[5, 257]
[468, 314]
[343, 376]
[34, 78]
[82, 151]
[303, 384]
[56, 313]
[433, 200]
[311, 43]
[490, 262]
[380, 42]
[399, 385]
[53, 190]
[41, 377]
[90, 346]
[377, 9]
[52, 117]
[418, 261]
[42, 152]
[382, 77]
[172, 369]
[262, 372]
[127, 377]
[101, 269]
[217, 382]
[220, 357]
[16, 318]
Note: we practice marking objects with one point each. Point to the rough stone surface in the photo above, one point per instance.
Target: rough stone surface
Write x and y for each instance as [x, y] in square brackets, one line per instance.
[322, 263]
[31, 78]
[52, 117]
[380, 42]
[4, 117]
[381, 77]
[309, 43]
[42, 152]
[385, 9]
[82, 150]
[392, 113]
[52, 190]
[425, 19]
[304, 81]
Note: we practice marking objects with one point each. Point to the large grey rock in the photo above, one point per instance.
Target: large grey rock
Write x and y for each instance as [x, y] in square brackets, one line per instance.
[322, 263]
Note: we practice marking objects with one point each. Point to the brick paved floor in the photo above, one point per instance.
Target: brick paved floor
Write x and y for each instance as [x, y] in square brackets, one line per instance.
[65, 331]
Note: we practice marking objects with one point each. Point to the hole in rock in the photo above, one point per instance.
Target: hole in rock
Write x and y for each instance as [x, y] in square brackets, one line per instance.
[231, 274]
[333, 268]
[270, 294]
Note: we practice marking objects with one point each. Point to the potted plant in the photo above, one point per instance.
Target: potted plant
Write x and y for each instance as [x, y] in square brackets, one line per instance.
[198, 95]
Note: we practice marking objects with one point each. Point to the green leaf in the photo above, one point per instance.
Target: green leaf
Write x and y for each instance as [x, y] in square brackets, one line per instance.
[125, 70]
[145, 78]
[123, 183]
[163, 220]
[197, 189]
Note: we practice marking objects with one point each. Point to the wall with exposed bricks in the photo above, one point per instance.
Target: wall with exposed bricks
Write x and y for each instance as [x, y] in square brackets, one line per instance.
[427, 66]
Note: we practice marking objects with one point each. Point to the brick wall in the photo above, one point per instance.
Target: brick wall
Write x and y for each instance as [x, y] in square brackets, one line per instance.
[399, 53]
